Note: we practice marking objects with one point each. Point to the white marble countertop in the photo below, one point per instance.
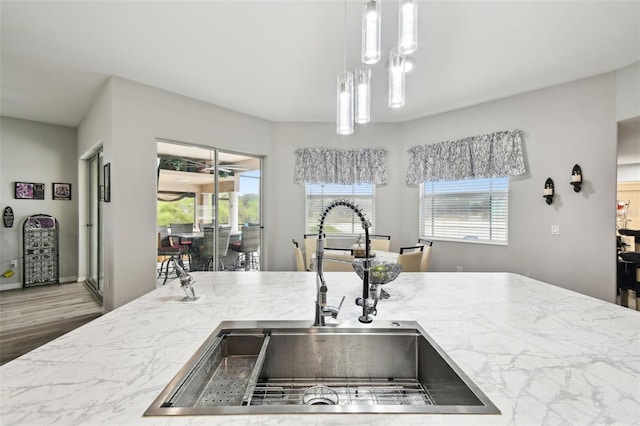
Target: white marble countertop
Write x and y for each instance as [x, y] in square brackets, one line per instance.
[542, 354]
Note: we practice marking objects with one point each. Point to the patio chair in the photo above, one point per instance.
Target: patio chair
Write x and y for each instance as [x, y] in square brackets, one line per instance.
[248, 245]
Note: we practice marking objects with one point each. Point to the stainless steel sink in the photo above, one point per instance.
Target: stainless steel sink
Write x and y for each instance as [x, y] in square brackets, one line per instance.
[276, 367]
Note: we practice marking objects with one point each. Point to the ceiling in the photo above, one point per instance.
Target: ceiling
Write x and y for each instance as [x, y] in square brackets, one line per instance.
[278, 60]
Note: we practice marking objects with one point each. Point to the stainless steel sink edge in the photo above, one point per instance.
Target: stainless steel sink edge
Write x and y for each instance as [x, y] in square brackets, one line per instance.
[296, 327]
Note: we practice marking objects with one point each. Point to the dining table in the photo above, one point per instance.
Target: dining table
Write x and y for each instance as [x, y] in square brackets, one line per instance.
[195, 243]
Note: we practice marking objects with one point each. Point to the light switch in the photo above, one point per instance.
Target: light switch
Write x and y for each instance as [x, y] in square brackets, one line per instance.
[555, 229]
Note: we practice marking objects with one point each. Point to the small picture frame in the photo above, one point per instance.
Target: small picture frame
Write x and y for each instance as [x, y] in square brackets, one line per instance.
[107, 183]
[61, 191]
[29, 191]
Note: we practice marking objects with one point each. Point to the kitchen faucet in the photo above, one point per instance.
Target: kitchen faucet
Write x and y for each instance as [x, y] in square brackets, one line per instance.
[368, 304]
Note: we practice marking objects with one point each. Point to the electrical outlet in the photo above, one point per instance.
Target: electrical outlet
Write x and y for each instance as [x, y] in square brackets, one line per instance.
[555, 229]
[14, 263]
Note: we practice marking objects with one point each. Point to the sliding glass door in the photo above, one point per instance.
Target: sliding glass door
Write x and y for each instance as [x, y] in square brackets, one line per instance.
[95, 275]
[217, 194]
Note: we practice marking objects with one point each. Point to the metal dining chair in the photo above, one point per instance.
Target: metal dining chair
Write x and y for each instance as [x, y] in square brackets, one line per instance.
[169, 252]
[248, 245]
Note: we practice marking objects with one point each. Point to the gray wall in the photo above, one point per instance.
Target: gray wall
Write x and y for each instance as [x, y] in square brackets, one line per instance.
[129, 118]
[40, 153]
[563, 125]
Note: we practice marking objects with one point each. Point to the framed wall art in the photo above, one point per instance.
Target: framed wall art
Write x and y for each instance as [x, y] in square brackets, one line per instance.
[61, 191]
[29, 191]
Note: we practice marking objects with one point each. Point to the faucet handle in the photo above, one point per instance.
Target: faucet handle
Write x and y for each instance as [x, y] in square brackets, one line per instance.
[332, 310]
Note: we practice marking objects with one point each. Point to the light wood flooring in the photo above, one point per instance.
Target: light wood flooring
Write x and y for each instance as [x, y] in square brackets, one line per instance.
[34, 316]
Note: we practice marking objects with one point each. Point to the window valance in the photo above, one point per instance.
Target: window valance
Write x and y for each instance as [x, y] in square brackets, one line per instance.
[491, 155]
[341, 166]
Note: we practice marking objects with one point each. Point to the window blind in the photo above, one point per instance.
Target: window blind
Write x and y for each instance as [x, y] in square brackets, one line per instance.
[341, 220]
[465, 210]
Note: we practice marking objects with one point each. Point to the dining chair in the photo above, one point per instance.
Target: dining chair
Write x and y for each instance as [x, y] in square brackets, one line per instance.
[380, 242]
[248, 245]
[410, 257]
[223, 245]
[169, 253]
[426, 253]
[297, 254]
[224, 236]
[338, 262]
[182, 228]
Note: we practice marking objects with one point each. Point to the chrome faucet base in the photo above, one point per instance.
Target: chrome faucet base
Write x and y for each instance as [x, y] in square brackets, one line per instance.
[365, 320]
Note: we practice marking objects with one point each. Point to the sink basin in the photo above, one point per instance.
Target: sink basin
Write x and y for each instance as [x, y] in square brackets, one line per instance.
[273, 367]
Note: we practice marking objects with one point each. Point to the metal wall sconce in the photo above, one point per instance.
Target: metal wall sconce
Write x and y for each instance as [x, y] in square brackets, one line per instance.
[576, 178]
[548, 191]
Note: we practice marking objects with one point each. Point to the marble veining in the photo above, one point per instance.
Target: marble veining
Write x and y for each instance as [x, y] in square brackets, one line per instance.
[542, 354]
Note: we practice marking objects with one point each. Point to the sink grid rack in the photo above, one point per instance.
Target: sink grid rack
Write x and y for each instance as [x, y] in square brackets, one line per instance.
[359, 391]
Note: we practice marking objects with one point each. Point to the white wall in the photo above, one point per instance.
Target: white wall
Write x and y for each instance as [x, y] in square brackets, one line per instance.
[93, 133]
[563, 125]
[140, 115]
[40, 153]
[629, 172]
[628, 92]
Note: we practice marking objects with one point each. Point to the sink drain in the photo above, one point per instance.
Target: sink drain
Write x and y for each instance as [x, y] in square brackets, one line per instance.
[320, 395]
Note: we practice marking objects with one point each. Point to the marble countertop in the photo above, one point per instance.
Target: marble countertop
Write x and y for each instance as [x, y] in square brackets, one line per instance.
[542, 354]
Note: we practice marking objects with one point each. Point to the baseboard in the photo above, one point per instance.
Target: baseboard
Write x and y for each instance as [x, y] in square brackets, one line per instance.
[13, 286]
[10, 286]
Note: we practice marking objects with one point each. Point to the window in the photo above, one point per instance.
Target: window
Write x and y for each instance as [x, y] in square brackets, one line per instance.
[465, 210]
[341, 220]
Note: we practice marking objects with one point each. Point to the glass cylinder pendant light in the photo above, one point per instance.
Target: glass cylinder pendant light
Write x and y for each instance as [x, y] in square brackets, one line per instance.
[363, 94]
[396, 78]
[408, 24]
[344, 119]
[371, 31]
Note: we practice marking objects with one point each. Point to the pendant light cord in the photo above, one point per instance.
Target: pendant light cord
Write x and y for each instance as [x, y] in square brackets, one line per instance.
[345, 37]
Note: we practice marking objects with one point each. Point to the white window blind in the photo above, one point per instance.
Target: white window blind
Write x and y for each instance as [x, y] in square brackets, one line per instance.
[341, 220]
[465, 210]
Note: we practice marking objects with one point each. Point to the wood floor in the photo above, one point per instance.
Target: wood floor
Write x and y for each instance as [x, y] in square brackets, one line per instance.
[32, 317]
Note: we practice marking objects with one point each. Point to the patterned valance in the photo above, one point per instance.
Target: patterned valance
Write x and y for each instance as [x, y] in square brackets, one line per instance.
[342, 166]
[496, 154]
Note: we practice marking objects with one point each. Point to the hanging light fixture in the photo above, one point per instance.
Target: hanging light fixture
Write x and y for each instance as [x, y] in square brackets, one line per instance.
[345, 103]
[354, 89]
[344, 115]
[408, 26]
[371, 31]
[396, 78]
[363, 94]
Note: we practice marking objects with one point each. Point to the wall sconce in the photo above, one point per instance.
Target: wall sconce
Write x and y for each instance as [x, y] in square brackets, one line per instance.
[548, 191]
[576, 178]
